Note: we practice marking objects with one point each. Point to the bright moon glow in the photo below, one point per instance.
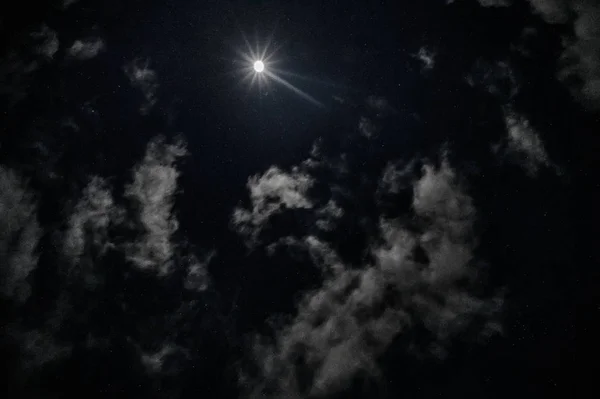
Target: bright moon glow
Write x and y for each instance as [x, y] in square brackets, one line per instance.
[259, 66]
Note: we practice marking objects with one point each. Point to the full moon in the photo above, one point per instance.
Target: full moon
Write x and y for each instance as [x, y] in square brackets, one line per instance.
[259, 66]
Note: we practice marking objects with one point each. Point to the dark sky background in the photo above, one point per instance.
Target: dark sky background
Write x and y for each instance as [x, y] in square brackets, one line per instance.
[169, 230]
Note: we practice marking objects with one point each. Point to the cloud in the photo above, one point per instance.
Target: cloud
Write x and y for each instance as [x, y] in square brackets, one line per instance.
[270, 194]
[86, 49]
[49, 41]
[342, 327]
[524, 145]
[328, 215]
[67, 3]
[489, 3]
[367, 128]
[579, 63]
[427, 58]
[86, 238]
[497, 78]
[152, 192]
[377, 107]
[144, 79]
[38, 348]
[379, 104]
[396, 177]
[197, 278]
[495, 3]
[19, 236]
[15, 76]
[168, 360]
[552, 11]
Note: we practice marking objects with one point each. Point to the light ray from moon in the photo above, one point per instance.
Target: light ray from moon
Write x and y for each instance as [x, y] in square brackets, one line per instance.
[261, 68]
[296, 90]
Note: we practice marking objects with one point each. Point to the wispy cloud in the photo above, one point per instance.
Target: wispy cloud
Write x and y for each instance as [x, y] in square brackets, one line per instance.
[19, 236]
[152, 192]
[396, 177]
[367, 127]
[427, 58]
[86, 49]
[143, 78]
[328, 215]
[579, 64]
[379, 104]
[495, 3]
[67, 3]
[552, 11]
[497, 78]
[168, 360]
[197, 278]
[523, 145]
[48, 41]
[270, 194]
[86, 239]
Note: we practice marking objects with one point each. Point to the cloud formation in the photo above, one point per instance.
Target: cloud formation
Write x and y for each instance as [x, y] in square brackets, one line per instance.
[342, 327]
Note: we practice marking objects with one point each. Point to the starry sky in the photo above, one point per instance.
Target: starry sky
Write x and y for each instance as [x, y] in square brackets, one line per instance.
[398, 206]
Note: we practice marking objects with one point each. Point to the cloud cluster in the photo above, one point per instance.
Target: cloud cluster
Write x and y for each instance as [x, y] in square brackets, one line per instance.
[342, 327]
[19, 236]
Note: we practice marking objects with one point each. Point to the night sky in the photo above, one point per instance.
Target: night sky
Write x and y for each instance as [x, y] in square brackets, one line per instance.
[400, 205]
